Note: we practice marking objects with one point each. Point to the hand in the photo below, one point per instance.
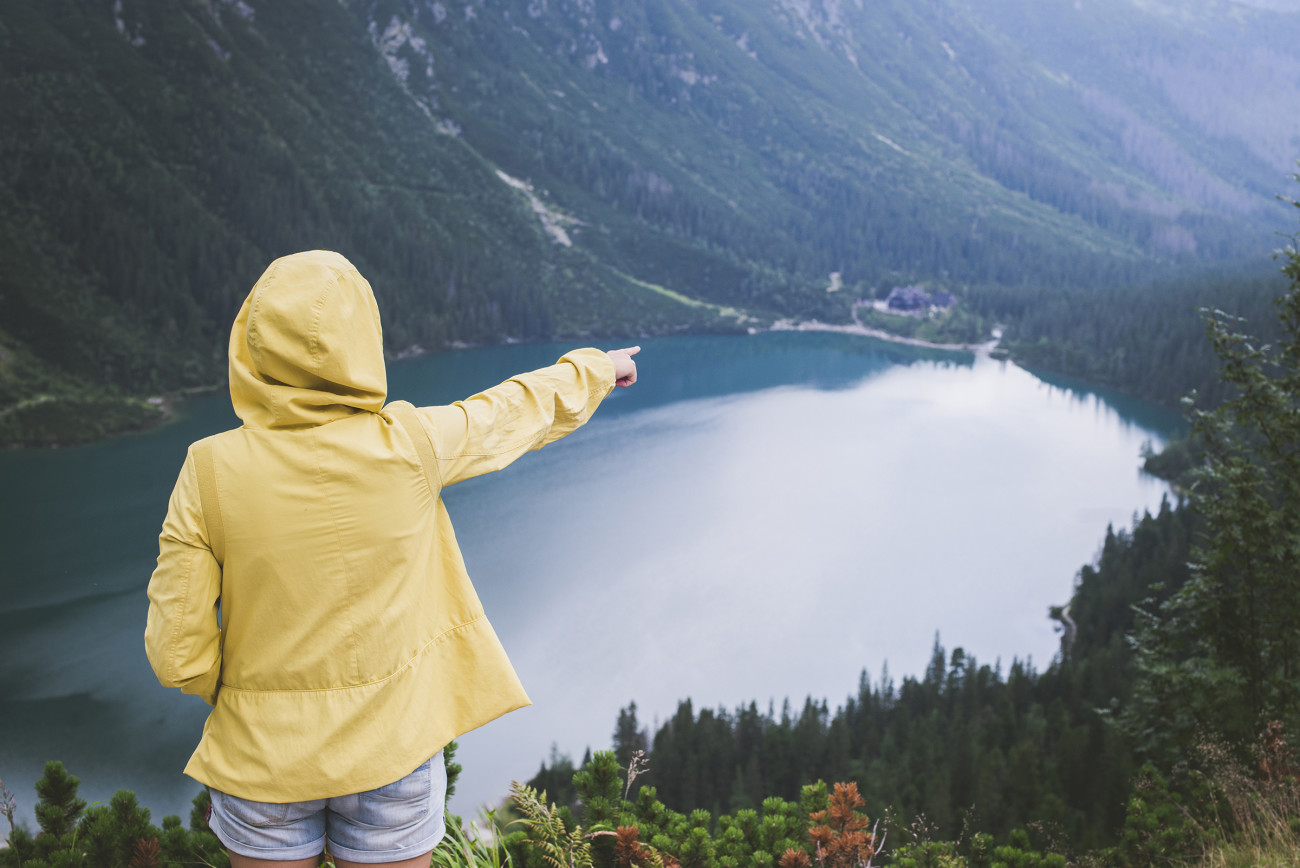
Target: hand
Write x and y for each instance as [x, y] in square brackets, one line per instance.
[624, 367]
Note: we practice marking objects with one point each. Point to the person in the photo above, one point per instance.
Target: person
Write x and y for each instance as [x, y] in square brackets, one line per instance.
[309, 586]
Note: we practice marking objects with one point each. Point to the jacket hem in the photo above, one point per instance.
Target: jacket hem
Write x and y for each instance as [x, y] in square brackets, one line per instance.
[414, 658]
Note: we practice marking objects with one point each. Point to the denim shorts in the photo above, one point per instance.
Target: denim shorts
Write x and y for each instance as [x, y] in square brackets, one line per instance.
[394, 822]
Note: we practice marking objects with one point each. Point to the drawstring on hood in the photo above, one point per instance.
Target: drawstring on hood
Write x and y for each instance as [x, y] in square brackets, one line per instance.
[307, 347]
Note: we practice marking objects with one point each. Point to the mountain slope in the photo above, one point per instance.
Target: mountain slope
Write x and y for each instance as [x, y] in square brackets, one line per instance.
[837, 136]
[517, 169]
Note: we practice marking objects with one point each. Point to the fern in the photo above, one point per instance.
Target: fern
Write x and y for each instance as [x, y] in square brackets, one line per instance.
[557, 846]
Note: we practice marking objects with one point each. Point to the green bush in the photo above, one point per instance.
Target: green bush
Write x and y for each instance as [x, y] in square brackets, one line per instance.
[116, 835]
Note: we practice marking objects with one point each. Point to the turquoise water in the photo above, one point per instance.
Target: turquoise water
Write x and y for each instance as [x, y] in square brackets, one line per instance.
[760, 517]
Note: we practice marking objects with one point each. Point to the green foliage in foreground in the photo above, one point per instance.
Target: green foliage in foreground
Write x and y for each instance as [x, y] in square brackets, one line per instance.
[116, 835]
[120, 834]
[1224, 816]
[1223, 811]
[554, 836]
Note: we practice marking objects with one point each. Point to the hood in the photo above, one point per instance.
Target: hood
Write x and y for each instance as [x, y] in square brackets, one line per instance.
[307, 347]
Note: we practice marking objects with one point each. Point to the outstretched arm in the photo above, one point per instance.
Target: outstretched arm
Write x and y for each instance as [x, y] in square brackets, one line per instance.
[491, 429]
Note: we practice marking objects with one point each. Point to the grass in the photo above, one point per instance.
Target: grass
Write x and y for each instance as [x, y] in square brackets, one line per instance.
[472, 848]
[1244, 814]
[1262, 818]
[1278, 856]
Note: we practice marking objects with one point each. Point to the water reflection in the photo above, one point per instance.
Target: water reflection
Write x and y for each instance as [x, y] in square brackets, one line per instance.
[1132, 411]
[679, 368]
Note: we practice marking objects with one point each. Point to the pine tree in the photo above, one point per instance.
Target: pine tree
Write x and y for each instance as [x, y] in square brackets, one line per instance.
[453, 769]
[628, 736]
[59, 808]
[1223, 654]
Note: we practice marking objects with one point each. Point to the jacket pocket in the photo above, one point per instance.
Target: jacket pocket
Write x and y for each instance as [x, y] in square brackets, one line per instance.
[402, 803]
[413, 786]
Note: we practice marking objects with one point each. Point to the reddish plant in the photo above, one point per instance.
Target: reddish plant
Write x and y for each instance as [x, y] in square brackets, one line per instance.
[146, 853]
[629, 852]
[840, 838]
[1276, 762]
[793, 858]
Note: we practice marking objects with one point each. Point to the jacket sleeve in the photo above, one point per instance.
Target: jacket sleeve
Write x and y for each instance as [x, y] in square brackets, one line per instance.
[491, 429]
[182, 636]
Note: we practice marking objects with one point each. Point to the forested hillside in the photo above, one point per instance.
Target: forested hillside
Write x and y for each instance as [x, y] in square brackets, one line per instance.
[1146, 339]
[519, 169]
[1005, 744]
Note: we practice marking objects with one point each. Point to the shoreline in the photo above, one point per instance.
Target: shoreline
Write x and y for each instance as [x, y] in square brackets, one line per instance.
[789, 325]
[165, 403]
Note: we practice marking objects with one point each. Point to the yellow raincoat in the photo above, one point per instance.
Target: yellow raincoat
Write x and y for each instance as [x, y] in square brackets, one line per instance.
[335, 629]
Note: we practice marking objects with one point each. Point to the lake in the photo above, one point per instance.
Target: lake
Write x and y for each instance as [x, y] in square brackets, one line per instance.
[759, 518]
